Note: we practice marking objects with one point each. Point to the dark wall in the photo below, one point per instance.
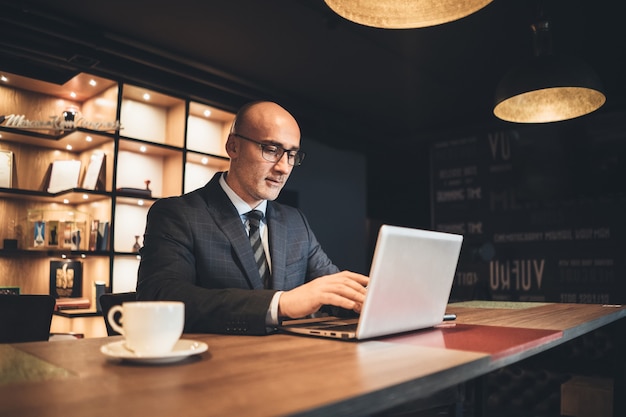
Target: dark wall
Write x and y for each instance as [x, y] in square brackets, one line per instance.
[541, 208]
[331, 190]
[398, 188]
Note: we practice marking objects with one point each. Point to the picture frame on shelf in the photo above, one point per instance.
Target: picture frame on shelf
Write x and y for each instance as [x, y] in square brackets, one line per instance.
[66, 279]
[39, 233]
[6, 168]
[95, 174]
[76, 239]
[64, 175]
[52, 233]
[65, 237]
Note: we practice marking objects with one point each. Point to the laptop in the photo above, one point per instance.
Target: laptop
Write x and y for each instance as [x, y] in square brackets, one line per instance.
[410, 281]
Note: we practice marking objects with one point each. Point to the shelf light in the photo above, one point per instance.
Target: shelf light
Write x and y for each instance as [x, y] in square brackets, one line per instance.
[73, 94]
[68, 147]
[66, 201]
[140, 202]
[88, 138]
[92, 82]
[4, 79]
[146, 96]
[207, 113]
[204, 160]
[85, 196]
[143, 148]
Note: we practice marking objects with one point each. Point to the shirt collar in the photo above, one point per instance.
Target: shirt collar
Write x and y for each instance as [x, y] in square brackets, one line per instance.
[241, 206]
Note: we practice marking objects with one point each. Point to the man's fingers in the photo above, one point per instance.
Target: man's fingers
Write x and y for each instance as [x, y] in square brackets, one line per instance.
[361, 279]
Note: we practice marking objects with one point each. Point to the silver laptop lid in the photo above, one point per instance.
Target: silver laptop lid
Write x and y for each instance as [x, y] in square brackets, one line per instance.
[410, 280]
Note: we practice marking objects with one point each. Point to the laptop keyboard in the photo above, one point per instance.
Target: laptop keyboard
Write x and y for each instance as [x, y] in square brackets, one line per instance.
[342, 327]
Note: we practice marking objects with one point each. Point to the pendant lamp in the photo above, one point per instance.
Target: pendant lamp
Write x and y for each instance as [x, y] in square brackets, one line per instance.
[548, 88]
[404, 14]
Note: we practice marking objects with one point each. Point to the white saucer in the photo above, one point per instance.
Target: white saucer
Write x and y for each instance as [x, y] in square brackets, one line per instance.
[182, 349]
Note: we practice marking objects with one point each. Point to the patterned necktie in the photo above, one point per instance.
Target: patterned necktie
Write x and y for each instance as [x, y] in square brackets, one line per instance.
[254, 220]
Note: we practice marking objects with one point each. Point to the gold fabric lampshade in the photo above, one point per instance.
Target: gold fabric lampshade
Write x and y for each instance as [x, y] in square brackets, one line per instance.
[404, 14]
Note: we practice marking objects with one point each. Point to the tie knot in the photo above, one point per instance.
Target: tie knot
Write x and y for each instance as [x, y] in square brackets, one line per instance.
[255, 216]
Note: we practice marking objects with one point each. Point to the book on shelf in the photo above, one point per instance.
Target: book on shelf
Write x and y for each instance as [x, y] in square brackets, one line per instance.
[135, 192]
[93, 235]
[102, 240]
[67, 303]
[95, 174]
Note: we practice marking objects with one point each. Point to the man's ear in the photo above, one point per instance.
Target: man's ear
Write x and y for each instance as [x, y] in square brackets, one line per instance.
[232, 147]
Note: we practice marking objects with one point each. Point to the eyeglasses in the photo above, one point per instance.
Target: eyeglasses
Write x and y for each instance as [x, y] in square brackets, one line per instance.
[273, 153]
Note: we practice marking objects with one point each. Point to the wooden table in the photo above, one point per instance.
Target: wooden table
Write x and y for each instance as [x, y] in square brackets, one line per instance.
[281, 374]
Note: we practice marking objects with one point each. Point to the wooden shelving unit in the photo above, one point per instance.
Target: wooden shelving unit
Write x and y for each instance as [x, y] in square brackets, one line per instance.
[170, 143]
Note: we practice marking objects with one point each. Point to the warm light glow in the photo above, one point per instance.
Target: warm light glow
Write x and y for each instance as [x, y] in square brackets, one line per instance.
[4, 79]
[73, 94]
[66, 201]
[85, 197]
[550, 105]
[68, 147]
[404, 14]
[140, 202]
[92, 82]
[204, 160]
[88, 138]
[103, 102]
[146, 96]
[207, 113]
[142, 148]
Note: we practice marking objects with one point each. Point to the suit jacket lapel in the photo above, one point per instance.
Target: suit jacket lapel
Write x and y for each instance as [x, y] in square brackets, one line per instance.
[227, 219]
[278, 246]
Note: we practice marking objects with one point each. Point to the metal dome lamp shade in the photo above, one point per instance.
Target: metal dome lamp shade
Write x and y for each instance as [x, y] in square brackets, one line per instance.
[404, 14]
[548, 88]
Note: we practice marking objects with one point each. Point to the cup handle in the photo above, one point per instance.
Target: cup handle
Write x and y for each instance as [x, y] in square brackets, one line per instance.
[111, 318]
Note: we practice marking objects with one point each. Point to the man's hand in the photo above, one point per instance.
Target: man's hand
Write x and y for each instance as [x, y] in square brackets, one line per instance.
[344, 289]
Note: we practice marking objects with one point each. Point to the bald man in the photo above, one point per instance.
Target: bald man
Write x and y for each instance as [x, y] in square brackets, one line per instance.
[197, 247]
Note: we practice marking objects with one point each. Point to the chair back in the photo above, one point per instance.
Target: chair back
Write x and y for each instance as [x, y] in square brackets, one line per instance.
[25, 318]
[109, 300]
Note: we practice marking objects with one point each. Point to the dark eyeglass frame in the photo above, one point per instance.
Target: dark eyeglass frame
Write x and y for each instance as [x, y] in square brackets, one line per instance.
[273, 153]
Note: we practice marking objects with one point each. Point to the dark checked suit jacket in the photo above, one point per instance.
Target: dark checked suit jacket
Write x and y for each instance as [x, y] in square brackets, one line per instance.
[196, 250]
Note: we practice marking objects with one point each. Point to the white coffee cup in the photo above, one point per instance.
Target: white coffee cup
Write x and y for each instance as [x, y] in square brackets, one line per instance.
[150, 328]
